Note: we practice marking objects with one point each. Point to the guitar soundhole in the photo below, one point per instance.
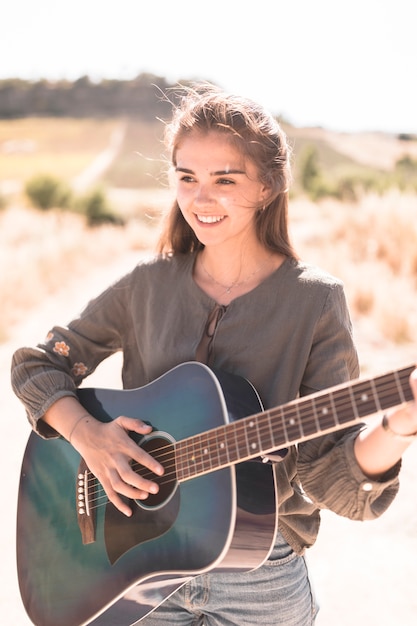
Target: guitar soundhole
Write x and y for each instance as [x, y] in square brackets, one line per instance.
[161, 447]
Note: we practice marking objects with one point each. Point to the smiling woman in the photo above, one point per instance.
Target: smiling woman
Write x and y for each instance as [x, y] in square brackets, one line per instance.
[227, 290]
[219, 195]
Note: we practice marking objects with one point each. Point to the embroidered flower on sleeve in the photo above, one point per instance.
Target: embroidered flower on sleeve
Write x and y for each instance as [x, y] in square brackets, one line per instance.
[61, 348]
[49, 337]
[79, 369]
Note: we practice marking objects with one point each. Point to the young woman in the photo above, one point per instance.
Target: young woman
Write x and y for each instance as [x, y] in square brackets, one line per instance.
[227, 289]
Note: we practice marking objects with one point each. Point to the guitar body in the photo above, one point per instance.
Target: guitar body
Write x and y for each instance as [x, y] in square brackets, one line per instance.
[211, 522]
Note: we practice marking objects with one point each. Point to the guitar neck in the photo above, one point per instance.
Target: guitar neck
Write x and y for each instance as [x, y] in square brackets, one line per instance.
[300, 420]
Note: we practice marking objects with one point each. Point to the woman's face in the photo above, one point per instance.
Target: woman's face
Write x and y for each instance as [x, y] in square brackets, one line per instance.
[217, 188]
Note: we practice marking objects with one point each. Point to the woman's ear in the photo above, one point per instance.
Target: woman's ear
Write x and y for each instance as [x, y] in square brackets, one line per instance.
[265, 196]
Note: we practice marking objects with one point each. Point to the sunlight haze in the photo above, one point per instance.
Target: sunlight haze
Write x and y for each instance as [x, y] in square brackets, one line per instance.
[344, 66]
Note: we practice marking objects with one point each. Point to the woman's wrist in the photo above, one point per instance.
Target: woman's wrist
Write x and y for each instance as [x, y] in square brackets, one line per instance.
[76, 424]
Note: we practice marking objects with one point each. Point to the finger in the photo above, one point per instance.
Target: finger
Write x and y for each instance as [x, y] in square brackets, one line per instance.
[118, 502]
[135, 484]
[134, 424]
[137, 453]
[116, 486]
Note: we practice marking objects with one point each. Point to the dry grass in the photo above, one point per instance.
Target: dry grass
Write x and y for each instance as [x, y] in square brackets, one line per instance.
[42, 252]
[372, 247]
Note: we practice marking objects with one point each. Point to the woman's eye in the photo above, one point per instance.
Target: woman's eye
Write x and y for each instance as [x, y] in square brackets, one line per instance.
[186, 179]
[225, 181]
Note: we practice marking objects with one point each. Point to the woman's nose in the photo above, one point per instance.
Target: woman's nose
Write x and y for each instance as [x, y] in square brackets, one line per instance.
[203, 195]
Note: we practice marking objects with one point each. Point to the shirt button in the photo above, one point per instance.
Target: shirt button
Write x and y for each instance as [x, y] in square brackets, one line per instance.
[367, 486]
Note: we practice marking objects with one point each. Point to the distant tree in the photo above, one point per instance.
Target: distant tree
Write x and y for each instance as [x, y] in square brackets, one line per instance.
[141, 97]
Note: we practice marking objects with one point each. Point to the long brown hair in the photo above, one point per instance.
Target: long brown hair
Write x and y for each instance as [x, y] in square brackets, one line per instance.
[259, 137]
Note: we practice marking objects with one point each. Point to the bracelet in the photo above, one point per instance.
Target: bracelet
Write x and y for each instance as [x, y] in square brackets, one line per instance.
[385, 425]
[76, 424]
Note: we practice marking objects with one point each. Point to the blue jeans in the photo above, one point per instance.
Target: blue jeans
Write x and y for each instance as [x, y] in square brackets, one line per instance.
[276, 594]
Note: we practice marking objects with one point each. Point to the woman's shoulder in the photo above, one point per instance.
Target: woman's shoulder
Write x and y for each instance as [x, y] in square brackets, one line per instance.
[312, 275]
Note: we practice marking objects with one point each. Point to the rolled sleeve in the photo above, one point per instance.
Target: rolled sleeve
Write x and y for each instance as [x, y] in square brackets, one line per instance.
[332, 478]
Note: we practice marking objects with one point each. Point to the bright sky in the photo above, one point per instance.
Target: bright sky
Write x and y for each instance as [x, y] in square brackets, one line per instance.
[347, 66]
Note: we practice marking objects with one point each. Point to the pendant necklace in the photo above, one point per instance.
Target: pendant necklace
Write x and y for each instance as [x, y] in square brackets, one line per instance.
[228, 288]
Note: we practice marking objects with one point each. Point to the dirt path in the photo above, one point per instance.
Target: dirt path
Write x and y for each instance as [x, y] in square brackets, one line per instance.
[364, 573]
[102, 161]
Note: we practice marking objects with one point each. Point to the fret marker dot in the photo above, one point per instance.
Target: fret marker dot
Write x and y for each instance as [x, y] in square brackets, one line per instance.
[251, 424]
[364, 397]
[325, 410]
[253, 446]
[222, 445]
[205, 451]
[292, 421]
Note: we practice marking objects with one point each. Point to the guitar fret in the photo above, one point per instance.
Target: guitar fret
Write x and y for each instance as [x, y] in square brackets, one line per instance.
[324, 412]
[265, 432]
[285, 425]
[292, 424]
[399, 387]
[271, 430]
[222, 449]
[233, 447]
[353, 403]
[309, 426]
[376, 396]
[316, 419]
[181, 460]
[206, 459]
[342, 406]
[364, 400]
[282, 423]
[252, 436]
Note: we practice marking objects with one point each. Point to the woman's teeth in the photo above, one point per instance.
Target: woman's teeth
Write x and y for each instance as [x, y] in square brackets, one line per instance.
[210, 219]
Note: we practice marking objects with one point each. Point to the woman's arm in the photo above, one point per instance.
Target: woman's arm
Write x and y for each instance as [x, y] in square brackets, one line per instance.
[378, 448]
[107, 450]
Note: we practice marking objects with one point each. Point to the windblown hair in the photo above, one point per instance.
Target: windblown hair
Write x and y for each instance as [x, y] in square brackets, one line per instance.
[259, 137]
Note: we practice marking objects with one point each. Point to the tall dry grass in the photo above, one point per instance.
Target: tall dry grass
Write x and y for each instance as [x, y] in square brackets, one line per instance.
[371, 246]
[41, 253]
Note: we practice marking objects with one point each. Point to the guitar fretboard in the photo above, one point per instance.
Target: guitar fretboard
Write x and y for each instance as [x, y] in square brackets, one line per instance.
[292, 423]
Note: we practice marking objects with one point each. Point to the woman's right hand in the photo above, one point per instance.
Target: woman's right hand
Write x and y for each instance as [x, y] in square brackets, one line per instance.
[107, 450]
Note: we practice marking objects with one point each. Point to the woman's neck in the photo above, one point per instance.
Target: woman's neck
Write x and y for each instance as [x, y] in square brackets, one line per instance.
[226, 277]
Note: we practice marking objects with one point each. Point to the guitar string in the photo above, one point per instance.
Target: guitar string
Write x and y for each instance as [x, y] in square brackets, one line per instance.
[238, 426]
[298, 423]
[241, 436]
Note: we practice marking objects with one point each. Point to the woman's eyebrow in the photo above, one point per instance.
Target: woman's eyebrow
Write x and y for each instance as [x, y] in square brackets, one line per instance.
[226, 172]
[185, 170]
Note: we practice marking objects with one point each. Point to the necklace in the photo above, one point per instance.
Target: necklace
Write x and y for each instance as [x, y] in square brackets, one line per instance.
[228, 288]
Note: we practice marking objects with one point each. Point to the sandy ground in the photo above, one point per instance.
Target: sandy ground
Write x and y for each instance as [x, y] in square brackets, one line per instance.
[364, 573]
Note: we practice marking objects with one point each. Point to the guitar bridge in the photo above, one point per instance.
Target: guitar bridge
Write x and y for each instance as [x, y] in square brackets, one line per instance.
[85, 513]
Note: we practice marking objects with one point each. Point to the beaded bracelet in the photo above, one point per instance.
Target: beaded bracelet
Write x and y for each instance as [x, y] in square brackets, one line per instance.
[385, 425]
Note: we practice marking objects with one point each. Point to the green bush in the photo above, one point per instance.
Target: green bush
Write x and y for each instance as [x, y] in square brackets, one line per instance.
[309, 169]
[94, 205]
[47, 192]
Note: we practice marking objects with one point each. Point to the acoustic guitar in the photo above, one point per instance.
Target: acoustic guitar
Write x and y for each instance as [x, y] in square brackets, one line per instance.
[80, 561]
